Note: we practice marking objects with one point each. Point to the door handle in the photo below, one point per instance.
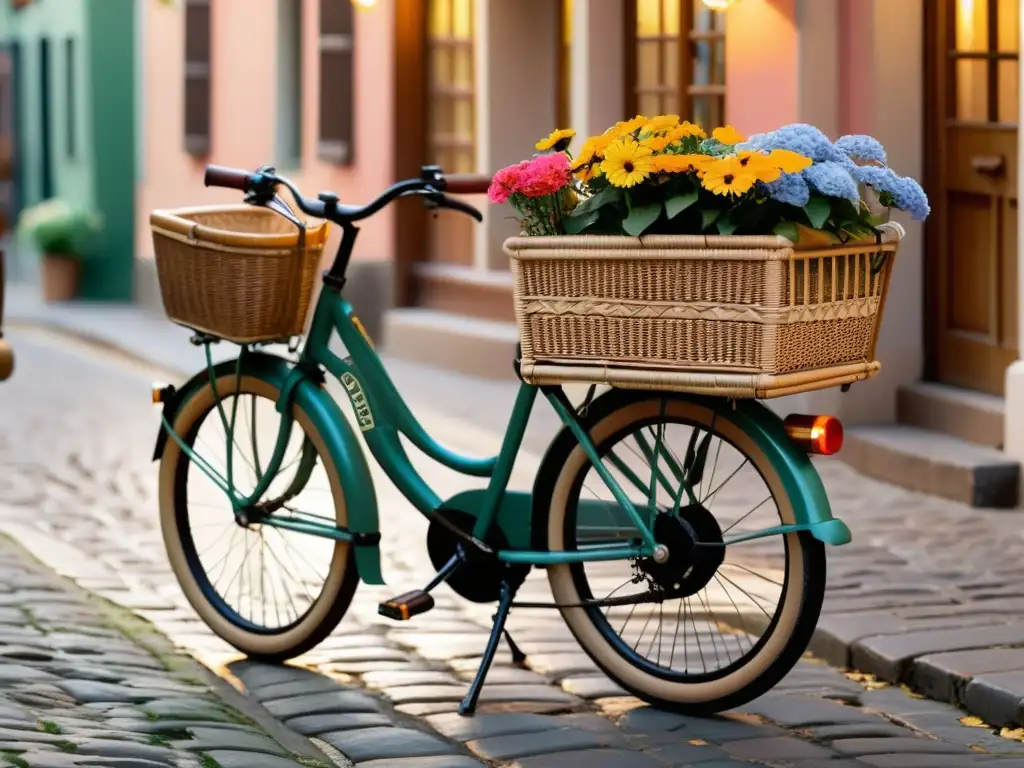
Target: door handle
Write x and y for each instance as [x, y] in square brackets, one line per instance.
[992, 166]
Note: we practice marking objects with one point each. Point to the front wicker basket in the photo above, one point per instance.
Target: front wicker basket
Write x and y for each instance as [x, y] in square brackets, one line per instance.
[236, 272]
[723, 315]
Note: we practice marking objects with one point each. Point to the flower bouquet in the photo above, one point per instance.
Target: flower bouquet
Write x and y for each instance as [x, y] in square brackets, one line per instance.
[658, 251]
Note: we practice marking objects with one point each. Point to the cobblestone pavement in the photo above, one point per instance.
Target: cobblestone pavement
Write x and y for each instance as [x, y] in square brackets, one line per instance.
[83, 683]
[77, 490]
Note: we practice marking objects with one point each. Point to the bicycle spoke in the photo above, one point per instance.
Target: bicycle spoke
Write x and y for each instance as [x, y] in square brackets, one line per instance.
[752, 511]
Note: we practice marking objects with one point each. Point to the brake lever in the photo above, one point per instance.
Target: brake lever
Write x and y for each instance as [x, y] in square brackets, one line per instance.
[440, 200]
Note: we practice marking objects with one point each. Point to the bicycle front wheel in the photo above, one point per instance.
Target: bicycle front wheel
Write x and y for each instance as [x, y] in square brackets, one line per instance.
[716, 626]
[271, 593]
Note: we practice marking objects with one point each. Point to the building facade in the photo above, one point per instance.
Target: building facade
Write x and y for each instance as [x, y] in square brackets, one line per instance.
[67, 123]
[352, 95]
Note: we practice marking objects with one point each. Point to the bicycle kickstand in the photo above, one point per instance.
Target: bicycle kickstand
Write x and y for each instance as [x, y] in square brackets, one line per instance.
[468, 705]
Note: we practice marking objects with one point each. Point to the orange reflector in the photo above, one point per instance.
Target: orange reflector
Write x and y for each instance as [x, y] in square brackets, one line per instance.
[822, 435]
[158, 393]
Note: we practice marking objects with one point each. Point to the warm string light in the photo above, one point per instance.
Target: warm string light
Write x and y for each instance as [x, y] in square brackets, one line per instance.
[364, 4]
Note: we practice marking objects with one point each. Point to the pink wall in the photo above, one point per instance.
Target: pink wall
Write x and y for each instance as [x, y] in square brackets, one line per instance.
[244, 112]
[856, 43]
[762, 65]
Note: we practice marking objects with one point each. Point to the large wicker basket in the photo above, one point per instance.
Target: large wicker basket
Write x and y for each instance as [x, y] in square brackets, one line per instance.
[236, 272]
[733, 316]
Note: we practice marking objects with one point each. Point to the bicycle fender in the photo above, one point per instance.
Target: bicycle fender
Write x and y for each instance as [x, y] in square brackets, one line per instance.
[338, 436]
[803, 486]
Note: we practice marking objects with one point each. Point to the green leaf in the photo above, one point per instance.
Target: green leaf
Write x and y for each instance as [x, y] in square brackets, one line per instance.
[576, 223]
[708, 217]
[727, 225]
[641, 217]
[602, 198]
[788, 230]
[818, 209]
[676, 205]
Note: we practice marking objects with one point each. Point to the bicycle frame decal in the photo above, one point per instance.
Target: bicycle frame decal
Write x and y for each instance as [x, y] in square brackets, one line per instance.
[364, 415]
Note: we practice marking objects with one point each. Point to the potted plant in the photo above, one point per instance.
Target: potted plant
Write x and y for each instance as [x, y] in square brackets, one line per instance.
[64, 235]
[660, 254]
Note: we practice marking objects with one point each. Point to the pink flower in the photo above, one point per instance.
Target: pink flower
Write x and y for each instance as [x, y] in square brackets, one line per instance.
[504, 183]
[544, 175]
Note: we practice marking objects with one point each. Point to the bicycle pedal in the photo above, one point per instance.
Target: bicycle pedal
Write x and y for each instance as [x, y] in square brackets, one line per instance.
[404, 607]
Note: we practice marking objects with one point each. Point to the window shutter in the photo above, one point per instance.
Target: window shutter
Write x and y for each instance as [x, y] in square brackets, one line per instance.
[337, 92]
[197, 77]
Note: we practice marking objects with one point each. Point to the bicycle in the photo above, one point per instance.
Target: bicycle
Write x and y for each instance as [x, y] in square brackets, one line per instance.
[653, 518]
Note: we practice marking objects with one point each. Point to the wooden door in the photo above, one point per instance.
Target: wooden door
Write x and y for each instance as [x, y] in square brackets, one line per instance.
[451, 119]
[973, 89]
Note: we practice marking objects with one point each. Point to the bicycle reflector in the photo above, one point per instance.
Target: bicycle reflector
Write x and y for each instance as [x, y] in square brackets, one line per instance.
[160, 392]
[821, 435]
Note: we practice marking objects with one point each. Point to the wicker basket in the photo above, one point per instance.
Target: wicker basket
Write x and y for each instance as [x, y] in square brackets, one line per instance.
[236, 272]
[734, 316]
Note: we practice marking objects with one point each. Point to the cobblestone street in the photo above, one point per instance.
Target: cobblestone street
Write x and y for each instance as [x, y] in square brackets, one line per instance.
[929, 595]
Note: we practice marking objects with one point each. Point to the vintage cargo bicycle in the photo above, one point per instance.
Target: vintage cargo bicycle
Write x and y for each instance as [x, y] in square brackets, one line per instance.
[639, 570]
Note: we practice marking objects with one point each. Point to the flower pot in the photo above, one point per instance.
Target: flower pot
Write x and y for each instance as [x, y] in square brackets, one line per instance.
[60, 277]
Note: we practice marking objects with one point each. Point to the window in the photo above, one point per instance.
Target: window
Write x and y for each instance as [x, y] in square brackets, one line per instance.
[46, 127]
[676, 60]
[71, 98]
[197, 77]
[985, 57]
[289, 83]
[337, 86]
[452, 125]
[563, 87]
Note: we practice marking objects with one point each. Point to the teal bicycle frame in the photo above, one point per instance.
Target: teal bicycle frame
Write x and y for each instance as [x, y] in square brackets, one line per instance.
[382, 415]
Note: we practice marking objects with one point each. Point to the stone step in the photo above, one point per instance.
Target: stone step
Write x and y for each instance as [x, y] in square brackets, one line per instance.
[486, 294]
[972, 416]
[934, 463]
[474, 346]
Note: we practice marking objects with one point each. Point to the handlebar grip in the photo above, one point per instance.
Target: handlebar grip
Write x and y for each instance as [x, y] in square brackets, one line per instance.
[231, 178]
[467, 184]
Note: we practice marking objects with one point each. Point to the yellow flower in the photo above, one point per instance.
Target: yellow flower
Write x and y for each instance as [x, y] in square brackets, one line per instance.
[661, 123]
[728, 135]
[789, 162]
[586, 168]
[626, 163]
[557, 140]
[683, 130]
[585, 164]
[624, 127]
[728, 177]
[759, 165]
[596, 145]
[656, 143]
[682, 163]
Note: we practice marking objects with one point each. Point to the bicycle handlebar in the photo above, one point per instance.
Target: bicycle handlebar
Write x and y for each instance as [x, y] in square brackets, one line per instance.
[230, 178]
[432, 185]
[467, 184]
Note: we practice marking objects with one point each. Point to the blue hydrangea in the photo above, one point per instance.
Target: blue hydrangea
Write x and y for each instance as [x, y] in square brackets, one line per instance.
[863, 148]
[832, 180]
[790, 188]
[907, 194]
[801, 138]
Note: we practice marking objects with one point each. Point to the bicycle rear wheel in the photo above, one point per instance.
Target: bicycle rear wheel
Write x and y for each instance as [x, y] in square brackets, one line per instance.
[271, 593]
[709, 638]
